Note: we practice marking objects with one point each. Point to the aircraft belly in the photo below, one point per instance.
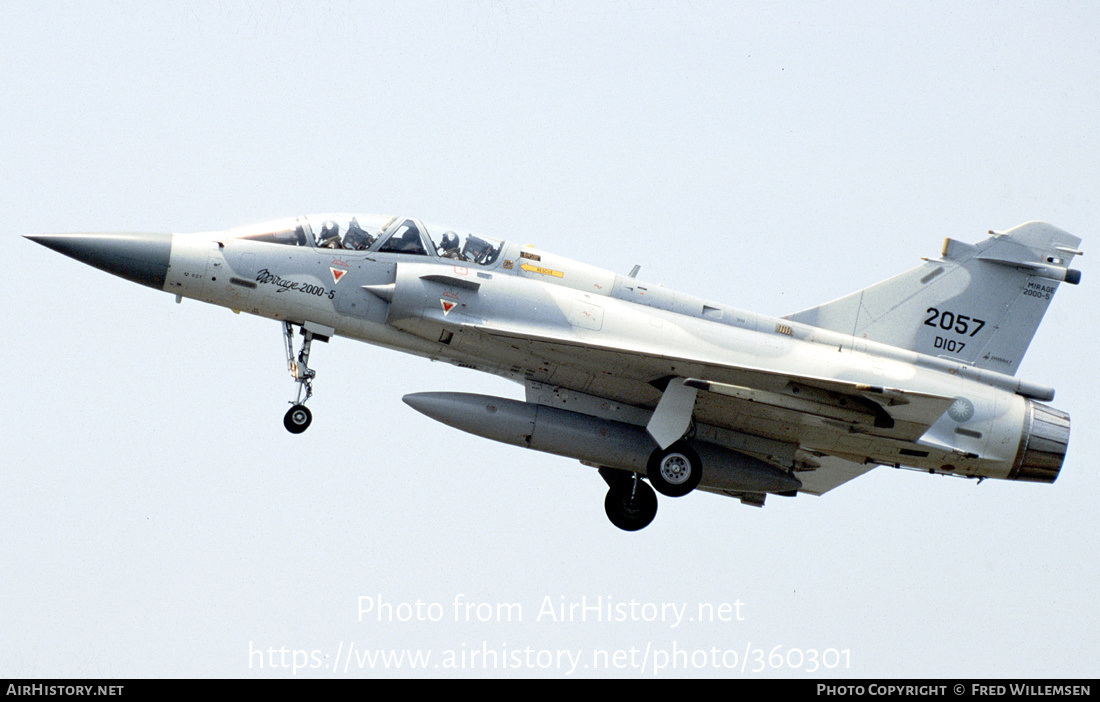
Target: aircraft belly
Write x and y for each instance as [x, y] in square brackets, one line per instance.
[830, 436]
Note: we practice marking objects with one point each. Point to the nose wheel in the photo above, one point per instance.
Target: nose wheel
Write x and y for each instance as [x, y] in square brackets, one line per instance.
[298, 417]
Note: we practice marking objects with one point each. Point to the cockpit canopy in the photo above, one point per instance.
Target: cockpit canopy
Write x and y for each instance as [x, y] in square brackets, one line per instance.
[375, 233]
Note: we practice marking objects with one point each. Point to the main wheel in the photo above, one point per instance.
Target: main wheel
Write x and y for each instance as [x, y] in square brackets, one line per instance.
[674, 471]
[631, 509]
[297, 419]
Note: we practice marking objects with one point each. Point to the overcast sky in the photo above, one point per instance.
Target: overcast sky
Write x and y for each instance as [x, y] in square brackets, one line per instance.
[157, 519]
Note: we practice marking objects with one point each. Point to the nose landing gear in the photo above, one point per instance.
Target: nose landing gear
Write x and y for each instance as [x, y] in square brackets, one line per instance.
[298, 417]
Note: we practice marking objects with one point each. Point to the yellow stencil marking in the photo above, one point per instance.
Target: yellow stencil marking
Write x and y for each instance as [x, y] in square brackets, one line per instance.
[544, 271]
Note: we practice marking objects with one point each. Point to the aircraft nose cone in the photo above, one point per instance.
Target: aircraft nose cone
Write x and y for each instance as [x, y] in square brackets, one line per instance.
[141, 257]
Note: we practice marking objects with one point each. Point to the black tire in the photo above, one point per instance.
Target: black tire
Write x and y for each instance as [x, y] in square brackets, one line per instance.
[631, 510]
[674, 471]
[297, 419]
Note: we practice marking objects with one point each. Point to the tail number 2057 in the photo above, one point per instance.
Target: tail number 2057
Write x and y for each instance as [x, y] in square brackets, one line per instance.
[949, 321]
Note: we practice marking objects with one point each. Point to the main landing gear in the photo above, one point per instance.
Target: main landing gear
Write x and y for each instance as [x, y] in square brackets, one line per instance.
[631, 503]
[298, 417]
[674, 471]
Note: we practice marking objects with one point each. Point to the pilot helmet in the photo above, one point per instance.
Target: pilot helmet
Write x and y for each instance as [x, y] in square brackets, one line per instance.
[450, 241]
[329, 230]
[356, 239]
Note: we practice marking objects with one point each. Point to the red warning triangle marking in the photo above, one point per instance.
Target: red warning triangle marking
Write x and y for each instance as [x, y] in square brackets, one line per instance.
[447, 306]
[337, 274]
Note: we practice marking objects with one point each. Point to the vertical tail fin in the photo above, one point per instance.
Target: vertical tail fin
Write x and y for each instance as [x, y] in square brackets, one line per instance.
[978, 304]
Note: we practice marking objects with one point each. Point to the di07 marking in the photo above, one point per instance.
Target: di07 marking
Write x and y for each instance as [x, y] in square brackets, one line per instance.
[949, 345]
[949, 321]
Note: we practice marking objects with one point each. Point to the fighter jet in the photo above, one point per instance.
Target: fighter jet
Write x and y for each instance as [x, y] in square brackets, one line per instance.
[656, 389]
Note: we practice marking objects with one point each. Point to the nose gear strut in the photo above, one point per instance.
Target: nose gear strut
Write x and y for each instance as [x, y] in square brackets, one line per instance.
[298, 417]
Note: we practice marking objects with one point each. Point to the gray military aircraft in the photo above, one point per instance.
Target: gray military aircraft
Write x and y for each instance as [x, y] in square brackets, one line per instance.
[639, 381]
